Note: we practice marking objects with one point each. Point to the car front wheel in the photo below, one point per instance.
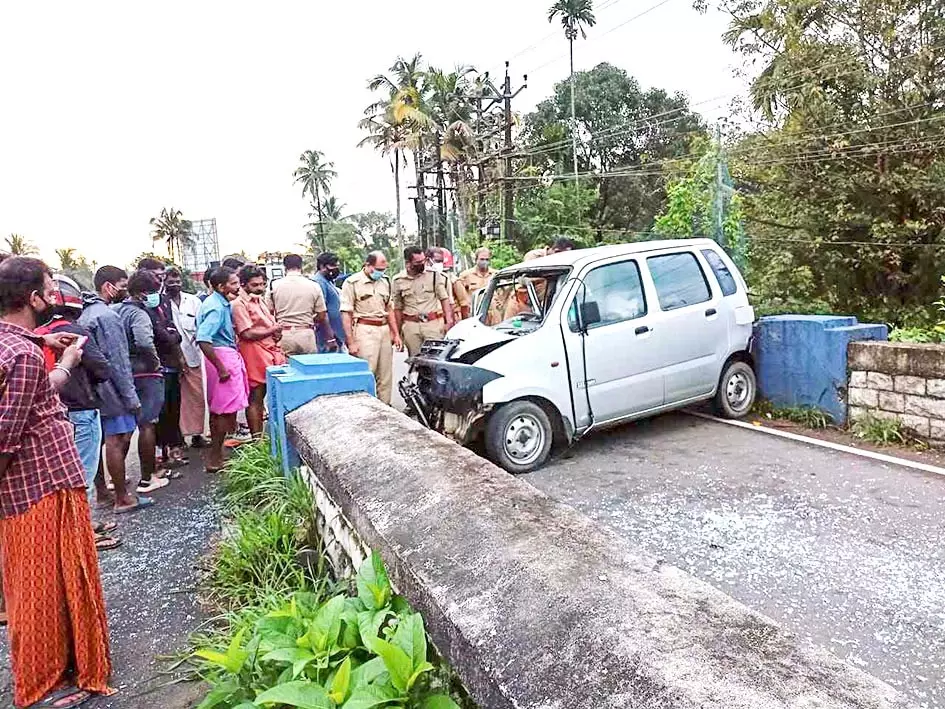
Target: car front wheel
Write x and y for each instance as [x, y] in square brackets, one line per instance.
[737, 390]
[519, 437]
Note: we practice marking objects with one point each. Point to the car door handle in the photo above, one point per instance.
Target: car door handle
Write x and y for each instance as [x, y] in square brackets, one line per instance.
[710, 312]
[642, 330]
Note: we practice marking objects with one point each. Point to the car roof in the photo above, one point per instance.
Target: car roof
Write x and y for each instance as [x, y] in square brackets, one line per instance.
[580, 257]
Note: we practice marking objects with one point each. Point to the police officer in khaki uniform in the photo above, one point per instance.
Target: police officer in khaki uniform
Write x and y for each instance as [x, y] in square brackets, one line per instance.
[477, 277]
[439, 260]
[421, 302]
[368, 321]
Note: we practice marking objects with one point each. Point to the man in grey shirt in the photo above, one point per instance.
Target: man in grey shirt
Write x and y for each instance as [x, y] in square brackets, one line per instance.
[119, 399]
[143, 293]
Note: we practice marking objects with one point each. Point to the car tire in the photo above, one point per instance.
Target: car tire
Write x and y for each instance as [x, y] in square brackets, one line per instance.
[519, 437]
[737, 390]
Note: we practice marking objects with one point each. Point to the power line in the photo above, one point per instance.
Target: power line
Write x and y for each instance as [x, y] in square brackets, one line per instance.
[813, 242]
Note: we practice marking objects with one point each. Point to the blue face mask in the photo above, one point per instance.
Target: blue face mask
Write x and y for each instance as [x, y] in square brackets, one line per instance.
[152, 300]
[377, 275]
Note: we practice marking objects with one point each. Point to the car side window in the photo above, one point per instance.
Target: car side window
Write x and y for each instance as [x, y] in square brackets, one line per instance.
[618, 291]
[679, 280]
[722, 274]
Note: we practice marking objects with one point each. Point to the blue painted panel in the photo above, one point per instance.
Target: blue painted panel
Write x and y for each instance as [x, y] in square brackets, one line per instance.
[801, 360]
[304, 378]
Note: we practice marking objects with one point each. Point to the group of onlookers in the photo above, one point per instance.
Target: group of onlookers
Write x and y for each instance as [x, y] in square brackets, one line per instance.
[83, 372]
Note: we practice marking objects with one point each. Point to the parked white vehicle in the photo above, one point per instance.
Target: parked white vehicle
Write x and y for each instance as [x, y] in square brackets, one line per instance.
[572, 342]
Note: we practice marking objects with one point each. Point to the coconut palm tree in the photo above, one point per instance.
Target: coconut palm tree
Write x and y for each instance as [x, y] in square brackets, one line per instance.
[575, 16]
[175, 231]
[67, 259]
[19, 245]
[391, 139]
[315, 176]
[403, 107]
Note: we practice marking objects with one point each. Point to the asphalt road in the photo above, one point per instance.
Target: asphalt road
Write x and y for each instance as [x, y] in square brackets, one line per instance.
[841, 550]
[150, 586]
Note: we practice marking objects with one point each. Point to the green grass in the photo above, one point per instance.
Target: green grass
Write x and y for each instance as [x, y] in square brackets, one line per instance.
[807, 416]
[882, 431]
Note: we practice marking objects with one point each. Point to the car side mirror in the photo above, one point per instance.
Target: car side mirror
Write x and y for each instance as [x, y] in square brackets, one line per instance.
[590, 313]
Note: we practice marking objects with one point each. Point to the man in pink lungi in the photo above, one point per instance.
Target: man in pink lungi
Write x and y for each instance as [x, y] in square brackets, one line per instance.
[227, 384]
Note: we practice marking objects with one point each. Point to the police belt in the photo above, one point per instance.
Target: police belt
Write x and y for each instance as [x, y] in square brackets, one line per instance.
[369, 321]
[423, 317]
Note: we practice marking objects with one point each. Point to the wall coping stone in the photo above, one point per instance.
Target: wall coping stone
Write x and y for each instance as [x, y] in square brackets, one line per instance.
[537, 607]
[898, 358]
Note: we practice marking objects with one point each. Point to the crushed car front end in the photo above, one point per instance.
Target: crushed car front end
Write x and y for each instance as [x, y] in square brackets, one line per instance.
[444, 391]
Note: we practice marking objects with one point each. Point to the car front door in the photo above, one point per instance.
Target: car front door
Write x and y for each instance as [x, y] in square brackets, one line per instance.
[695, 333]
[615, 365]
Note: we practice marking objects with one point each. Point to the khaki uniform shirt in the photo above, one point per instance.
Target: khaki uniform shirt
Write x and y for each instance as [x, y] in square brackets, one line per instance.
[473, 280]
[420, 295]
[295, 300]
[459, 297]
[364, 297]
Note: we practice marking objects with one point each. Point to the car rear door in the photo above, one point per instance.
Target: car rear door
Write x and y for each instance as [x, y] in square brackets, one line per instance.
[694, 333]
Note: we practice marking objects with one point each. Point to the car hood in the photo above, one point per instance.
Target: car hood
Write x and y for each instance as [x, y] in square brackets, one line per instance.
[473, 336]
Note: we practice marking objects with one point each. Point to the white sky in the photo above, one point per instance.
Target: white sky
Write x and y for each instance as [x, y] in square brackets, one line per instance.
[112, 110]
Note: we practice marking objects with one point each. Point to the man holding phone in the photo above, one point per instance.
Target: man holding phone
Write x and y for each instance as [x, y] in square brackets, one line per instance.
[79, 393]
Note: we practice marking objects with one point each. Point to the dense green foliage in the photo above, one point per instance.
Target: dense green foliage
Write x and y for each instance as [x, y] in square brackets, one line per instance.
[289, 636]
[843, 175]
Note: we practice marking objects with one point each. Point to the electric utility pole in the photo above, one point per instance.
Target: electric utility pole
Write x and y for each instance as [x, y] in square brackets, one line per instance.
[493, 97]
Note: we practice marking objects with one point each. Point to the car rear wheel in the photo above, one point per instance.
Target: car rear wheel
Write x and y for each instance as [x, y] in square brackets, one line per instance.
[737, 390]
[519, 437]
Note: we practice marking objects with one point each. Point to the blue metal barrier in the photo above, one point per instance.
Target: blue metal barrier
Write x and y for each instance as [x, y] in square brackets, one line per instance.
[301, 380]
[801, 360]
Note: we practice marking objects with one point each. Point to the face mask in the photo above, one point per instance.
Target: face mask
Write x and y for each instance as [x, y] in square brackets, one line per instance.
[173, 289]
[483, 264]
[118, 294]
[436, 267]
[152, 300]
[377, 275]
[417, 269]
[332, 273]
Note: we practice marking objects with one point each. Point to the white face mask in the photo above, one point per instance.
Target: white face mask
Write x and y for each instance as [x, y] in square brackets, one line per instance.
[438, 267]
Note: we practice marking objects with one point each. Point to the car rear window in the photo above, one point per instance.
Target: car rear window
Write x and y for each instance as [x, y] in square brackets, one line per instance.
[679, 280]
[722, 274]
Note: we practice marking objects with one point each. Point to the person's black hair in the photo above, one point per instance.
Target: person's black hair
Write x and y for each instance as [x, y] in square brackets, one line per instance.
[143, 282]
[108, 274]
[206, 277]
[432, 251]
[61, 311]
[326, 259]
[233, 263]
[151, 264]
[249, 272]
[173, 271]
[220, 276]
[20, 276]
[292, 262]
[562, 243]
[410, 252]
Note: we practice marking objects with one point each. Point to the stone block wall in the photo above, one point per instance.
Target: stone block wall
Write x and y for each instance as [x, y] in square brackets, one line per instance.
[899, 380]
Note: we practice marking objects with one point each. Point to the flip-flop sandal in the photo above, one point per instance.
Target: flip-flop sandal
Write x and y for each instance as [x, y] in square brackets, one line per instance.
[140, 505]
[104, 527]
[4, 619]
[66, 698]
[173, 475]
[106, 543]
[155, 483]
